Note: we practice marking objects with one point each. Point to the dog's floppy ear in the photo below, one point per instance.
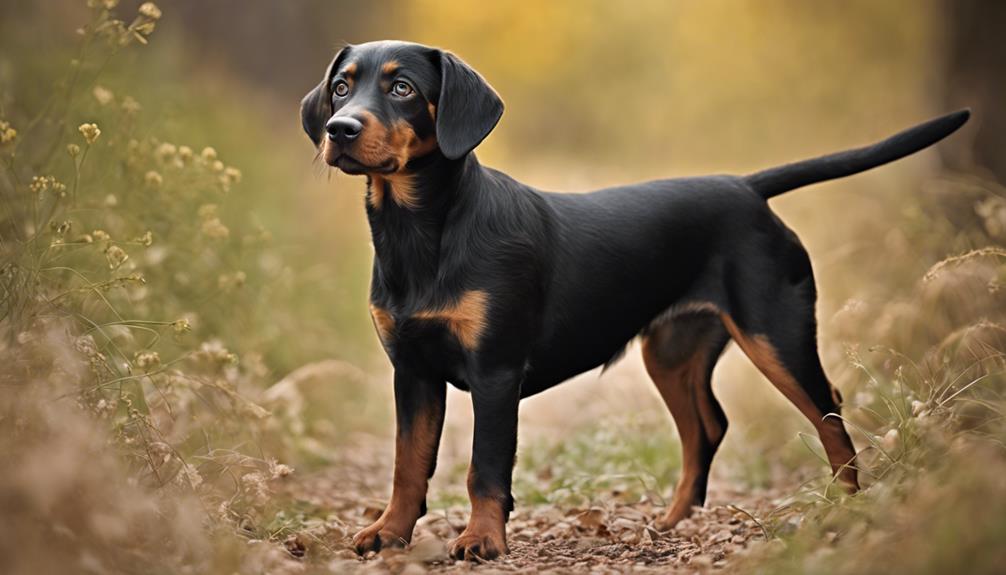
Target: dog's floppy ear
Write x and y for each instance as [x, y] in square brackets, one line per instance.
[316, 107]
[468, 108]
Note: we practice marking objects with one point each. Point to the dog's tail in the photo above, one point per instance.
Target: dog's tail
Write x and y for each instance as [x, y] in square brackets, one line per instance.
[774, 181]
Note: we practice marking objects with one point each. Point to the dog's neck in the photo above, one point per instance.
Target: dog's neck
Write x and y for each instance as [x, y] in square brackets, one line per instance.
[409, 213]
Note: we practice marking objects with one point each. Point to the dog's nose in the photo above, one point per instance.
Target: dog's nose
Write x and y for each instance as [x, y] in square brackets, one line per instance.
[343, 129]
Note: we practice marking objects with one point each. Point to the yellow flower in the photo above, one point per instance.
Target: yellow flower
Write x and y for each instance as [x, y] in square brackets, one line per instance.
[90, 132]
[61, 229]
[150, 10]
[101, 235]
[216, 352]
[185, 153]
[147, 360]
[279, 470]
[233, 175]
[166, 151]
[116, 256]
[227, 282]
[181, 326]
[214, 228]
[209, 154]
[144, 29]
[146, 239]
[41, 184]
[7, 133]
[153, 179]
[230, 176]
[217, 166]
[129, 105]
[73, 150]
[103, 95]
[207, 211]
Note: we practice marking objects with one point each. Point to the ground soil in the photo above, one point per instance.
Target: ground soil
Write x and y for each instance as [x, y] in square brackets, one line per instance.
[607, 538]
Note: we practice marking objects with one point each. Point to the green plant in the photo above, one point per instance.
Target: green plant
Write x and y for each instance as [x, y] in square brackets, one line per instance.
[117, 270]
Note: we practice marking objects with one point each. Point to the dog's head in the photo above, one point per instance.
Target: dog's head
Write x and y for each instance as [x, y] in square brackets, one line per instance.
[383, 104]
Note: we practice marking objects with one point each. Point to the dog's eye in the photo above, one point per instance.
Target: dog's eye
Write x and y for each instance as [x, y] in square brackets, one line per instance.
[341, 89]
[402, 89]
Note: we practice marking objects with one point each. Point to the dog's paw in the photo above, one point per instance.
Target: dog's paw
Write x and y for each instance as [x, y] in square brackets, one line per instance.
[375, 538]
[674, 515]
[472, 546]
[665, 523]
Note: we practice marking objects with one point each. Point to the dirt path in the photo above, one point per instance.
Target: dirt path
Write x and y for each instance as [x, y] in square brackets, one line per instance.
[610, 538]
[612, 534]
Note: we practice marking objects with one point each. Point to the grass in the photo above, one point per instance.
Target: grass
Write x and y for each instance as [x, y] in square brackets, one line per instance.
[931, 433]
[619, 456]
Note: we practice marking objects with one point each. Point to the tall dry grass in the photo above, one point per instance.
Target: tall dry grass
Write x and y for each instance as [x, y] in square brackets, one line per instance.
[924, 379]
[132, 438]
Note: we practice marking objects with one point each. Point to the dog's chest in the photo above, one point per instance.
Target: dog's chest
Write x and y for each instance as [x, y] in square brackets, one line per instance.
[434, 335]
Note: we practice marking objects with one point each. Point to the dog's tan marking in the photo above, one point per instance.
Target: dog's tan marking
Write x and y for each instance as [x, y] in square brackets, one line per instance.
[485, 534]
[432, 110]
[390, 67]
[414, 454]
[466, 318]
[403, 191]
[349, 73]
[404, 139]
[380, 146]
[371, 147]
[384, 323]
[400, 186]
[375, 191]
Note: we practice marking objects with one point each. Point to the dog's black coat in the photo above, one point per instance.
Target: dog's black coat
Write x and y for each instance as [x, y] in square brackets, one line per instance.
[565, 281]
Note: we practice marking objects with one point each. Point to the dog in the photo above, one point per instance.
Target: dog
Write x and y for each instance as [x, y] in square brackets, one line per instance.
[505, 291]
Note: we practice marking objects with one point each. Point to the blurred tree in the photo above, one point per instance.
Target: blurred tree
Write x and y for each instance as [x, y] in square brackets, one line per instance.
[973, 77]
[662, 87]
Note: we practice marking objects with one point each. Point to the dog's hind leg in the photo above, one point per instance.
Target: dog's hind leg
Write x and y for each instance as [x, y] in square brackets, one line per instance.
[778, 332]
[679, 355]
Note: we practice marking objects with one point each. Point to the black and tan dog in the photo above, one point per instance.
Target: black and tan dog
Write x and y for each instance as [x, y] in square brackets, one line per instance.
[504, 290]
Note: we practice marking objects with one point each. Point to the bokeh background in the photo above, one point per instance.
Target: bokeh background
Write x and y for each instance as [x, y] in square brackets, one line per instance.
[597, 93]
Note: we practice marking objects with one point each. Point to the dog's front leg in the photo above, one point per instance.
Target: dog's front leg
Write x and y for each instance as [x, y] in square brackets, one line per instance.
[419, 406]
[495, 399]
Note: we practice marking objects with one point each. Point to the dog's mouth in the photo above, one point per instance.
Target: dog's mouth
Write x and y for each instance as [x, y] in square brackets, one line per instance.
[352, 166]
